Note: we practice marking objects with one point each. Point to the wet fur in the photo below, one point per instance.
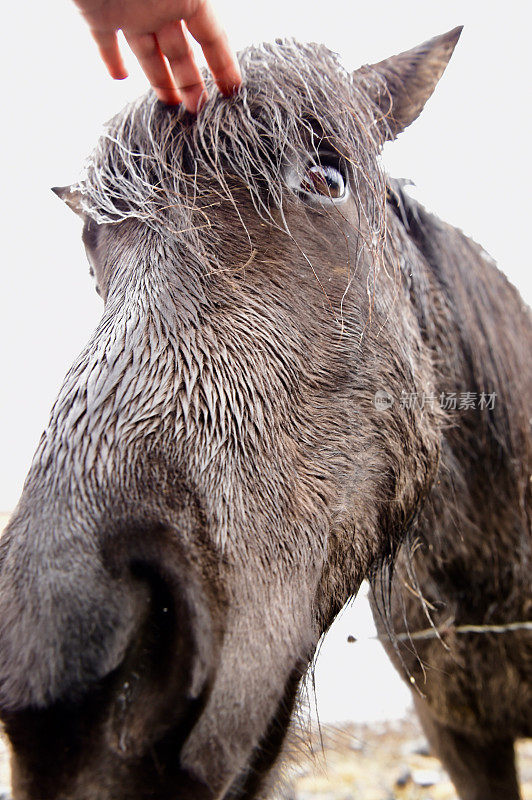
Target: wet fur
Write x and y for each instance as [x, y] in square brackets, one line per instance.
[471, 559]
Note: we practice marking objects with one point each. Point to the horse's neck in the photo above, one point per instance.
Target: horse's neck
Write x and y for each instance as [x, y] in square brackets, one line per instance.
[479, 332]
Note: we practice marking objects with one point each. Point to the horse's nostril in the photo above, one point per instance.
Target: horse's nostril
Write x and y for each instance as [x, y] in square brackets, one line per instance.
[161, 684]
[160, 627]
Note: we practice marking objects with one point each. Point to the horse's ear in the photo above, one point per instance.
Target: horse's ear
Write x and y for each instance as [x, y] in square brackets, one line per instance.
[403, 83]
[70, 196]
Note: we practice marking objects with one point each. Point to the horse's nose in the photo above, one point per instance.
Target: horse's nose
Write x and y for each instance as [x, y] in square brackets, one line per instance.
[74, 617]
[114, 649]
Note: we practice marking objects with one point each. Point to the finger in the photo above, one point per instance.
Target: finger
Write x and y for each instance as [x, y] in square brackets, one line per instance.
[175, 46]
[155, 67]
[206, 29]
[107, 42]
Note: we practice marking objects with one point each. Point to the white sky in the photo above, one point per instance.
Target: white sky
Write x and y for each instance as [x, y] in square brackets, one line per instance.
[469, 155]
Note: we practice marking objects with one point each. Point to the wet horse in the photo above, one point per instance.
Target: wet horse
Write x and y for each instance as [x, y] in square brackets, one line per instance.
[232, 452]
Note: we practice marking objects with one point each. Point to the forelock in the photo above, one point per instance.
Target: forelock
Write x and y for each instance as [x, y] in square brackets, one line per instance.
[294, 98]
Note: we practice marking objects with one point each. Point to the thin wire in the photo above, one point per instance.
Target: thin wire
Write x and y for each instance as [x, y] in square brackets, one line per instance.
[435, 633]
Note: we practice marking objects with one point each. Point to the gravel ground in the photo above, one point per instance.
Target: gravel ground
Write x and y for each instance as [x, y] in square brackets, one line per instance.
[381, 761]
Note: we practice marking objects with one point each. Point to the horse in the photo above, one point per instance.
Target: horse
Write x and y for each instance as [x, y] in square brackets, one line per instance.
[235, 450]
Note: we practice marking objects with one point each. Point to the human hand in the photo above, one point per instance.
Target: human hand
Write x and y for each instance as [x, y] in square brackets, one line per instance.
[155, 29]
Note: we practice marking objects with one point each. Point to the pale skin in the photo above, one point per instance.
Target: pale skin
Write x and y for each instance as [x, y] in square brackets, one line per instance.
[156, 33]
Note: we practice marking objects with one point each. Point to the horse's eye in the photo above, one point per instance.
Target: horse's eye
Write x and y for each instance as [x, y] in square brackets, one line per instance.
[324, 179]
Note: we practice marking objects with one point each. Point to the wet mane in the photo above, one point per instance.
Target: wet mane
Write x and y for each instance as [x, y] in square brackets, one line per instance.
[295, 99]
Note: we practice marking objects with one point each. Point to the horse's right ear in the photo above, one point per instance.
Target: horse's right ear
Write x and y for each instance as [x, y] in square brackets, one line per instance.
[70, 196]
[401, 85]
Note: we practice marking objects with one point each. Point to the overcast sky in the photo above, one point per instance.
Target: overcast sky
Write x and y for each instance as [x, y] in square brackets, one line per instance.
[469, 155]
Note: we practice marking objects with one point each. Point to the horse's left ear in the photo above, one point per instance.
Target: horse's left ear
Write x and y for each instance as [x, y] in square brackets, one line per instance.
[70, 196]
[405, 82]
